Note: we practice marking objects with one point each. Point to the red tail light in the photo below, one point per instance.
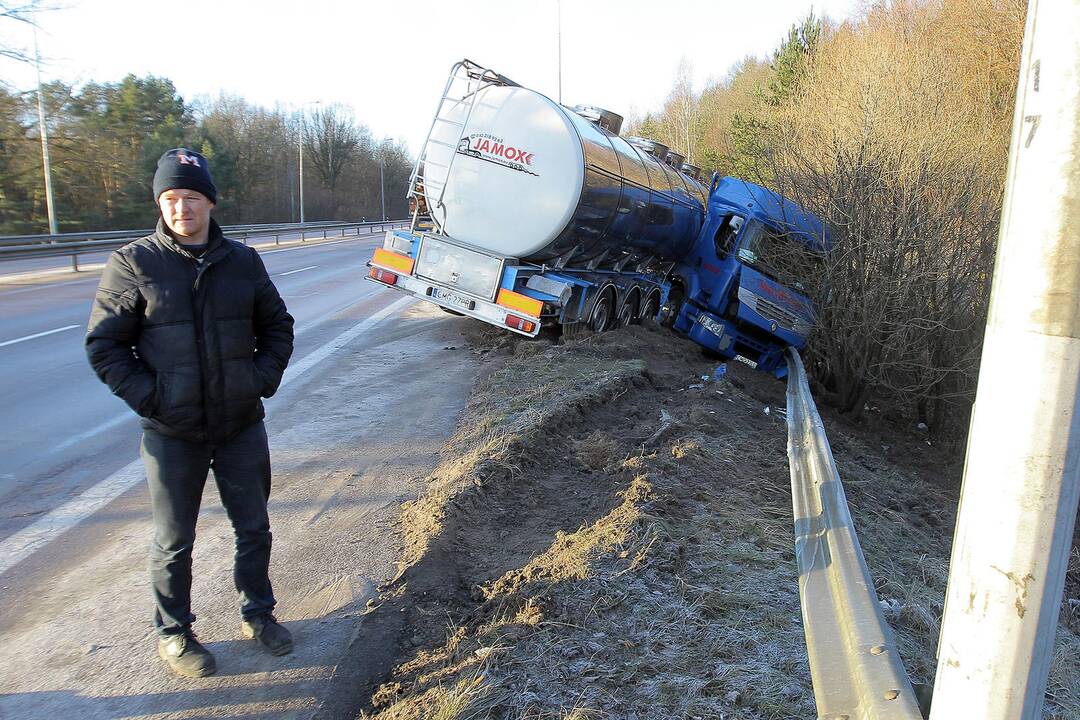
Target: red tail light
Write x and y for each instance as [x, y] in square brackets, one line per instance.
[520, 323]
[383, 276]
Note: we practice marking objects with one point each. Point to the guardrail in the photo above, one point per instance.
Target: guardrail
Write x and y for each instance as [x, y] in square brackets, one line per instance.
[19, 247]
[854, 664]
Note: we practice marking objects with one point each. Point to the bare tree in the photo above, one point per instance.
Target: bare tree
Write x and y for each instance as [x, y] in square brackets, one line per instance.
[20, 12]
[331, 140]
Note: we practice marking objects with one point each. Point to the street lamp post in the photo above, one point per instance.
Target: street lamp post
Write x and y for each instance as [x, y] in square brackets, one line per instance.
[558, 40]
[382, 185]
[303, 133]
[50, 206]
[300, 152]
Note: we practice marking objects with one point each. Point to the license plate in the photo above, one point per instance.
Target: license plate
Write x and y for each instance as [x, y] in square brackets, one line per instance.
[453, 298]
[711, 325]
[746, 360]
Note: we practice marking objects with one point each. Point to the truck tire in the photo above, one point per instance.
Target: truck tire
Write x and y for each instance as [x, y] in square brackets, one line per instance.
[649, 309]
[670, 311]
[601, 314]
[628, 313]
[571, 331]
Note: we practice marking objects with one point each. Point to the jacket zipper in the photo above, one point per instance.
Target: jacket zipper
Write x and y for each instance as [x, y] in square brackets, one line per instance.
[197, 311]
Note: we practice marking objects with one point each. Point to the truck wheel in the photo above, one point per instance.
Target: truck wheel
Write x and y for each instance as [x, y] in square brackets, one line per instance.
[572, 330]
[628, 313]
[600, 317]
[649, 309]
[670, 311]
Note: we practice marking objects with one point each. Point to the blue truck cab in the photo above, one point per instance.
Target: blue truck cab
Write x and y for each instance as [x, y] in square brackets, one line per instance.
[741, 290]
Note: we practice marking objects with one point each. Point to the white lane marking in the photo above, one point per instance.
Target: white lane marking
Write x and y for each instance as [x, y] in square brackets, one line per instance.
[312, 359]
[96, 430]
[32, 288]
[110, 424]
[33, 537]
[319, 244]
[37, 335]
[309, 267]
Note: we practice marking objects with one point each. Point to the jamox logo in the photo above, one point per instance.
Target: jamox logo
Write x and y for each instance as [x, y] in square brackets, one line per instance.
[492, 149]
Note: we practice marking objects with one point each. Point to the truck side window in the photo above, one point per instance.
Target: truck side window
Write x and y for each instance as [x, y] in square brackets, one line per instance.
[726, 234]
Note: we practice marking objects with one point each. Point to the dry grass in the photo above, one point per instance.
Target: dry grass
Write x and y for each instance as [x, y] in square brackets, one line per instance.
[610, 580]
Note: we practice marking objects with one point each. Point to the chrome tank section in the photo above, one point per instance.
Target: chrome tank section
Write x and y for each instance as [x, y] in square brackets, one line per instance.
[530, 179]
[633, 207]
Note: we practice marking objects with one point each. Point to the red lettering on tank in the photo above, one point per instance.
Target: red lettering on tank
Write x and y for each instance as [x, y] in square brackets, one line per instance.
[493, 150]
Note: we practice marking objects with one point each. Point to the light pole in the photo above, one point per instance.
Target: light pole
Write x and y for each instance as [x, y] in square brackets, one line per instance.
[50, 206]
[382, 185]
[300, 151]
[558, 40]
[303, 132]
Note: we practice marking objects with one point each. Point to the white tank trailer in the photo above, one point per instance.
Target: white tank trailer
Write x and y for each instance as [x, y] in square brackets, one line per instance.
[518, 175]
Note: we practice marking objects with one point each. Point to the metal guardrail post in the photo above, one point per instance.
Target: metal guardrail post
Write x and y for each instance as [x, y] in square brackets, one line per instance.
[854, 664]
[1021, 481]
[75, 262]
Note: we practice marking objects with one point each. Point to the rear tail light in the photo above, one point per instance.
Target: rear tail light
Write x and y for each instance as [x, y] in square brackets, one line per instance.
[520, 323]
[383, 276]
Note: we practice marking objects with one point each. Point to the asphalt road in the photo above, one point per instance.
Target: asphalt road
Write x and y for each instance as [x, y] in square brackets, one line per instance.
[353, 429]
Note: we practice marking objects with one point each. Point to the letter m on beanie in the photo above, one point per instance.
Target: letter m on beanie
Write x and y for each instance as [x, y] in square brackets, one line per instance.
[184, 168]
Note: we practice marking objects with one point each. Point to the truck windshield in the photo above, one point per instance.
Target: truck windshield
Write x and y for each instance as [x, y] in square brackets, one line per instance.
[780, 256]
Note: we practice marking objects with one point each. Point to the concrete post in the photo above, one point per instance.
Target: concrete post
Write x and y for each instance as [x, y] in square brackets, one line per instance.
[1022, 476]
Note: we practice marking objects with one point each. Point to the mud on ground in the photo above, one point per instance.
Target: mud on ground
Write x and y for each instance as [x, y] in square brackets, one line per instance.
[609, 535]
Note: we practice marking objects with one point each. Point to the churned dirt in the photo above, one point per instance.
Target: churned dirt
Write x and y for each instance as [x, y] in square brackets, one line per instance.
[609, 535]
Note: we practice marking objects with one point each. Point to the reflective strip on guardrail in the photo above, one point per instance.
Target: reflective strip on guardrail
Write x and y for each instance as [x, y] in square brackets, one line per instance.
[856, 670]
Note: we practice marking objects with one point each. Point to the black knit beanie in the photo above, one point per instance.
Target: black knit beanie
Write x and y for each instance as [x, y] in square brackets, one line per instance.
[183, 168]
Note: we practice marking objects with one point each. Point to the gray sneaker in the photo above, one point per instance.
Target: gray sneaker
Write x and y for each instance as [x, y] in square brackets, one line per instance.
[186, 655]
[270, 634]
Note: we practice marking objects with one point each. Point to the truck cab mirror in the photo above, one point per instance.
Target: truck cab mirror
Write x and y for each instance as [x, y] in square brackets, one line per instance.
[726, 234]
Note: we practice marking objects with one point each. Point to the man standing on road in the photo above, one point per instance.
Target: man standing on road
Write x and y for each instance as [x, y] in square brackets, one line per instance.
[188, 329]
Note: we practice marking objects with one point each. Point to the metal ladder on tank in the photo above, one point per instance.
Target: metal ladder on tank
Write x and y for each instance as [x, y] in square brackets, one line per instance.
[474, 78]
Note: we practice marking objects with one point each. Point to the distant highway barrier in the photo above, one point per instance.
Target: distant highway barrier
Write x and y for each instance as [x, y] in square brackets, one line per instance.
[21, 247]
[854, 664]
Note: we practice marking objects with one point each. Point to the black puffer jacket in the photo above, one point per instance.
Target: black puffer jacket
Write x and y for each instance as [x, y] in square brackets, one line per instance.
[191, 348]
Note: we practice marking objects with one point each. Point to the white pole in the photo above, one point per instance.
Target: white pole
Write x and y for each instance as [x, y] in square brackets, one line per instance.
[303, 133]
[382, 185]
[558, 40]
[50, 206]
[1022, 475]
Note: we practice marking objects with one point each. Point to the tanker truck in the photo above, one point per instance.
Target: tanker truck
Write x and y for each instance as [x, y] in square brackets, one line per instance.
[531, 215]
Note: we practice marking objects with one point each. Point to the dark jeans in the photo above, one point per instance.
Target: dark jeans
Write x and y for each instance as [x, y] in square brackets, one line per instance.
[176, 472]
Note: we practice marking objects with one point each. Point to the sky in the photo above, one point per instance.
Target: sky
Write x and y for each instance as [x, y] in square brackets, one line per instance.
[389, 60]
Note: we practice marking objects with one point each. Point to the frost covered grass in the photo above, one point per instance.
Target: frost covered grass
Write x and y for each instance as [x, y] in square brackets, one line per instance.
[610, 537]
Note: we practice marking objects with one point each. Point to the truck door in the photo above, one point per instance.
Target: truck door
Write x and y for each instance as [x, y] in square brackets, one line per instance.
[717, 269]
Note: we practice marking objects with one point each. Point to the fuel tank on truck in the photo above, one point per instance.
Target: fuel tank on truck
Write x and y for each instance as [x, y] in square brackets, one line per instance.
[521, 176]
